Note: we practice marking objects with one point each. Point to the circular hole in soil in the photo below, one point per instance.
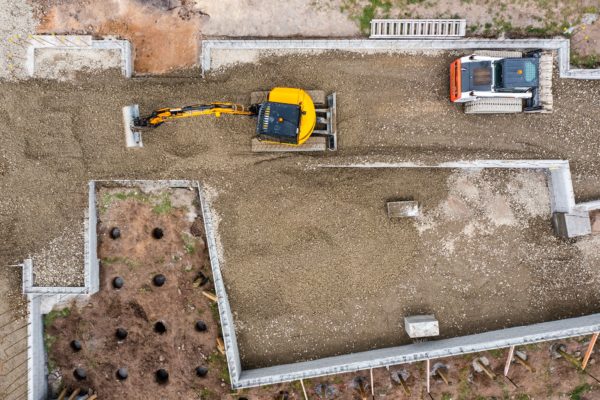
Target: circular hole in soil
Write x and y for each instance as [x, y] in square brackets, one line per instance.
[118, 282]
[76, 345]
[157, 233]
[162, 376]
[201, 371]
[159, 280]
[121, 333]
[79, 374]
[122, 374]
[201, 326]
[115, 233]
[160, 327]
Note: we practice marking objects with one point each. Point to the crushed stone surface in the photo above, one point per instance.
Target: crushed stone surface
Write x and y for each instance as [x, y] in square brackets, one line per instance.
[57, 136]
[16, 23]
[60, 262]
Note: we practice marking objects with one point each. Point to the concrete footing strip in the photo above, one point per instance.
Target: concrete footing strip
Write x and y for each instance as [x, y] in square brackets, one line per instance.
[561, 190]
[79, 42]
[561, 45]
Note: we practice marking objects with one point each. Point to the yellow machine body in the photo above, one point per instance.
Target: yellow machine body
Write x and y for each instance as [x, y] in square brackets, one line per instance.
[299, 97]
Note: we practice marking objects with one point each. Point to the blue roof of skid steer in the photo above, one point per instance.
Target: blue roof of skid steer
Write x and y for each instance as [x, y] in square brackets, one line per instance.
[518, 73]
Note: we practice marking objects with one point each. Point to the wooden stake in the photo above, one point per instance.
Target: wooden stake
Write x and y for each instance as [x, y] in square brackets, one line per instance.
[303, 389]
[209, 295]
[511, 352]
[372, 387]
[485, 369]
[73, 395]
[588, 353]
[220, 345]
[443, 376]
[427, 371]
[524, 363]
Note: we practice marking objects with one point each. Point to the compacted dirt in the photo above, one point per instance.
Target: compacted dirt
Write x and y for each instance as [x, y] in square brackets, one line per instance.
[57, 136]
[137, 257]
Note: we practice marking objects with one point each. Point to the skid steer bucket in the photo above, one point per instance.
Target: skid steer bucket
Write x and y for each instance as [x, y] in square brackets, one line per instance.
[133, 137]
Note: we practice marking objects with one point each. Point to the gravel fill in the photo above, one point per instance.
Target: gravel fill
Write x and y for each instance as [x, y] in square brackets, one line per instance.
[57, 136]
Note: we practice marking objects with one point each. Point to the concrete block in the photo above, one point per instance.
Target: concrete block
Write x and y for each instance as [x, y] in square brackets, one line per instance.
[418, 326]
[402, 209]
[572, 224]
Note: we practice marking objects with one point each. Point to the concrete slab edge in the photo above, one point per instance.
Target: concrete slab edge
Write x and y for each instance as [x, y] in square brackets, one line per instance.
[225, 314]
[562, 45]
[78, 42]
[422, 351]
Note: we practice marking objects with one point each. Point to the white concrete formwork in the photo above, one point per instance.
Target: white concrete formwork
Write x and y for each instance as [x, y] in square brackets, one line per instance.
[75, 43]
[219, 53]
[562, 198]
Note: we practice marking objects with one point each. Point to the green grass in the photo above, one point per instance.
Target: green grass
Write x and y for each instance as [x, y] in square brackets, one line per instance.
[121, 260]
[52, 315]
[496, 353]
[576, 394]
[164, 205]
[375, 8]
[189, 243]
[589, 61]
[446, 396]
[522, 396]
[217, 361]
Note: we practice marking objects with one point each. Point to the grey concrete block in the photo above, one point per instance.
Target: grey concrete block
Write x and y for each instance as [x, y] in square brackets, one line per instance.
[418, 326]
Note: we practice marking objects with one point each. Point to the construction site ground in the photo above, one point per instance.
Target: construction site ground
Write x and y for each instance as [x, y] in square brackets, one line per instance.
[58, 135]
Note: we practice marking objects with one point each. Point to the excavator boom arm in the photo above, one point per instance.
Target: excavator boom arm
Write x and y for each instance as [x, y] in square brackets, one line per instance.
[162, 115]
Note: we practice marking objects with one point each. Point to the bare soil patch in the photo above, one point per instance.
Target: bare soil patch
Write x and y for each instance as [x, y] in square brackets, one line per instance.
[137, 257]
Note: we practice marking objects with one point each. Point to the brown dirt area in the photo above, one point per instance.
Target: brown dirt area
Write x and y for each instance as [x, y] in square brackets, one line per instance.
[164, 34]
[388, 111]
[137, 257]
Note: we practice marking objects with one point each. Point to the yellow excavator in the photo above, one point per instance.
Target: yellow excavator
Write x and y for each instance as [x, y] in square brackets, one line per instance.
[288, 119]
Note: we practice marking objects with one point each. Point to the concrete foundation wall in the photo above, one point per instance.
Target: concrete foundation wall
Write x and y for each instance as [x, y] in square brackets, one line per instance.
[422, 351]
[37, 388]
[219, 53]
[60, 56]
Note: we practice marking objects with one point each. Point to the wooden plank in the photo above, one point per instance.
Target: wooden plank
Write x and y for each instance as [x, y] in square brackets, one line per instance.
[588, 353]
[511, 352]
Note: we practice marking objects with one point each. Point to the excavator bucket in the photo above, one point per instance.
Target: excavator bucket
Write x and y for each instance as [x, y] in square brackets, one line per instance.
[133, 137]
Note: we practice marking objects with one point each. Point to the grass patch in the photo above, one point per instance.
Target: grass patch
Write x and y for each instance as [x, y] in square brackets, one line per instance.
[164, 205]
[120, 260]
[375, 8]
[217, 362]
[52, 315]
[110, 198]
[589, 61]
[496, 353]
[189, 243]
[576, 394]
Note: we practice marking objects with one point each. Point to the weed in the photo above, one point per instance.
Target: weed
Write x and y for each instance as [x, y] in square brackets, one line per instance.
[52, 315]
[375, 7]
[576, 394]
[217, 361]
[189, 244]
[589, 61]
[496, 353]
[109, 198]
[214, 309]
[522, 396]
[446, 396]
[122, 260]
[164, 205]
